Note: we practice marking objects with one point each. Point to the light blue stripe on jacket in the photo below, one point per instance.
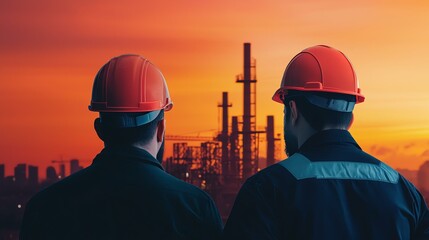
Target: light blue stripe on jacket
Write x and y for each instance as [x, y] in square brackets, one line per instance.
[302, 168]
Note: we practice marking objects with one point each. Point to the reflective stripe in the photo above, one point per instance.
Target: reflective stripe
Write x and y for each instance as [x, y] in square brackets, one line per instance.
[147, 118]
[301, 168]
[126, 120]
[338, 105]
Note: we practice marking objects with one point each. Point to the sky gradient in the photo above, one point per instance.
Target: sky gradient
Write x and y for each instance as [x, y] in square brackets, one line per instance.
[51, 50]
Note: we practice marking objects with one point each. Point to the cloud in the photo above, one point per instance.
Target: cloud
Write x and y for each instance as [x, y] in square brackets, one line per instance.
[407, 146]
[381, 150]
[425, 153]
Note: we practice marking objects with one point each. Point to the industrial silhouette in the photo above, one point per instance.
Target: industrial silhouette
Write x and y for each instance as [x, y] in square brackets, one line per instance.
[221, 164]
[16, 190]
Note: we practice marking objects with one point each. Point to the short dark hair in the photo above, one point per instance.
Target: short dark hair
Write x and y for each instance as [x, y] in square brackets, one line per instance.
[129, 135]
[317, 117]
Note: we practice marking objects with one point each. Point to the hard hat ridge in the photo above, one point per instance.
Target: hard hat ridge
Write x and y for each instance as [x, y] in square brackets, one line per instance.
[130, 83]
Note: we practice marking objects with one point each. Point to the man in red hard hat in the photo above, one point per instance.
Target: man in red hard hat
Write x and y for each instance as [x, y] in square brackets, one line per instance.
[327, 188]
[125, 193]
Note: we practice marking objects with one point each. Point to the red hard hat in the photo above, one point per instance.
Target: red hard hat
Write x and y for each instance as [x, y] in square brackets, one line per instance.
[129, 83]
[320, 69]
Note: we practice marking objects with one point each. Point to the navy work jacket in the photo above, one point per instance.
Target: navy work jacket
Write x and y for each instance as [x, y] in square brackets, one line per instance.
[330, 189]
[124, 194]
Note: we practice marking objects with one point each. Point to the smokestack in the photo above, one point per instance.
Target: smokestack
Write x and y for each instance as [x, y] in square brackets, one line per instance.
[249, 148]
[224, 136]
[247, 141]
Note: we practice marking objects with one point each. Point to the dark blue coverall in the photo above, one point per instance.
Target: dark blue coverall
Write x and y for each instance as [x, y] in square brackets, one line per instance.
[330, 189]
[124, 194]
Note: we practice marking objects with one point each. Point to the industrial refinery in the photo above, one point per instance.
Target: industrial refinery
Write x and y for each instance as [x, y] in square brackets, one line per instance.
[219, 165]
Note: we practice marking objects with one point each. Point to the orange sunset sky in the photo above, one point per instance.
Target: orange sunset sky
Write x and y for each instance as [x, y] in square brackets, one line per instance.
[50, 51]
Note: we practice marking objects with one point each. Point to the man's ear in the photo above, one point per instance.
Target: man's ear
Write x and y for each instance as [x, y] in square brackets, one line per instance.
[160, 131]
[293, 112]
[99, 128]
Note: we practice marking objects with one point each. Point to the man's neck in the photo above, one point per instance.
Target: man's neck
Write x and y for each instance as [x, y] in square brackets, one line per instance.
[148, 147]
[308, 132]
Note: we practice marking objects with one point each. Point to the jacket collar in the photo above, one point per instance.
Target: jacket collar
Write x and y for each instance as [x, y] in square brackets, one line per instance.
[331, 136]
[126, 153]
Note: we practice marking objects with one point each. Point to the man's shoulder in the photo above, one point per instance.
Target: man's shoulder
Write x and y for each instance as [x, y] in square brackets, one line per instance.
[290, 169]
[174, 185]
[62, 188]
[271, 176]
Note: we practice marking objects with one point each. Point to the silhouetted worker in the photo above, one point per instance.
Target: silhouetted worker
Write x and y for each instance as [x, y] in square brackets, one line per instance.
[327, 188]
[125, 193]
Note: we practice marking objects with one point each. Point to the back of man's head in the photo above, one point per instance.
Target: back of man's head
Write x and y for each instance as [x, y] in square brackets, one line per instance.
[317, 117]
[320, 85]
[109, 129]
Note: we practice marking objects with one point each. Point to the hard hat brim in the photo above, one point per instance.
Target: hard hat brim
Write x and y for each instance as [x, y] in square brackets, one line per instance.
[277, 97]
[127, 120]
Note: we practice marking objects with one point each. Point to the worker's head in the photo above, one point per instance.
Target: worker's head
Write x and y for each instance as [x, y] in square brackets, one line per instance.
[319, 90]
[131, 95]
